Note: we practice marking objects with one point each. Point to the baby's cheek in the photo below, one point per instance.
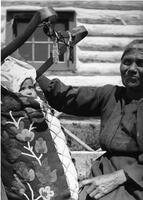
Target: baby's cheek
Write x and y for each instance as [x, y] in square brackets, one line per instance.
[22, 92]
[34, 93]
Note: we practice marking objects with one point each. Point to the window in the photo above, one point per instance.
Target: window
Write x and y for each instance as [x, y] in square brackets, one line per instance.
[36, 50]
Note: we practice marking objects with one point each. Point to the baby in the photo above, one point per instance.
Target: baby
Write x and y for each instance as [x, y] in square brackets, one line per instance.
[20, 77]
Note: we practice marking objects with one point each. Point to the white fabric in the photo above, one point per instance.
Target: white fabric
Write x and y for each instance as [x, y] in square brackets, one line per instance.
[14, 72]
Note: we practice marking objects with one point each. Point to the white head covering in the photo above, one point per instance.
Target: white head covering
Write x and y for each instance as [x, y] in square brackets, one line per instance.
[14, 72]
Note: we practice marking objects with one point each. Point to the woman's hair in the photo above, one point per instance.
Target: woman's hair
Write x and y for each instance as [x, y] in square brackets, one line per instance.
[134, 45]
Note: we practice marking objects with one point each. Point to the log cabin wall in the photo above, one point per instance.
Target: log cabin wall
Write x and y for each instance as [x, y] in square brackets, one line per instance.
[111, 25]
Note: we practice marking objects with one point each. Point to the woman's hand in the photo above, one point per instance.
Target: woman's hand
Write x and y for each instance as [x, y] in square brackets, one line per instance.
[102, 185]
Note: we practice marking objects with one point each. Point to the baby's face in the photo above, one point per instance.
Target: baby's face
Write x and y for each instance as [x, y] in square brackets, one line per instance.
[28, 89]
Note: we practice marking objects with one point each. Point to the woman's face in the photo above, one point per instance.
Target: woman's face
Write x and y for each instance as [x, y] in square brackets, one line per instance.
[28, 89]
[132, 70]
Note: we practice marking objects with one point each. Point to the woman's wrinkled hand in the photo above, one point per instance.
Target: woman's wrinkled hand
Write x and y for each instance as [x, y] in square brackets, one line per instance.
[102, 185]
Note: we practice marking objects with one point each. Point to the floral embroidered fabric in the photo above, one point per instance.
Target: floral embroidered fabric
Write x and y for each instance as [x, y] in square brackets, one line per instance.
[31, 165]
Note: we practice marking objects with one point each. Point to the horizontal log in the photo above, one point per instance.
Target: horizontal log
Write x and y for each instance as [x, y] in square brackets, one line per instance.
[113, 30]
[105, 43]
[100, 68]
[88, 79]
[91, 4]
[115, 17]
[98, 4]
[99, 56]
[93, 16]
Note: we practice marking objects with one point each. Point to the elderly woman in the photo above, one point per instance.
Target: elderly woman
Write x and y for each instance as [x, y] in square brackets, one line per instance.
[117, 175]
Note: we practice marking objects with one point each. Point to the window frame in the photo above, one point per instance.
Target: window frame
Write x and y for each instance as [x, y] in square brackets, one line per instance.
[62, 15]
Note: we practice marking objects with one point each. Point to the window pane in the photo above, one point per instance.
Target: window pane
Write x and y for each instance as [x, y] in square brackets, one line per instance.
[39, 35]
[26, 51]
[59, 27]
[21, 26]
[61, 56]
[41, 52]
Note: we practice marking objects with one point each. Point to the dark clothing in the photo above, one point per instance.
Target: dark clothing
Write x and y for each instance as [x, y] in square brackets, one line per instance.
[121, 132]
